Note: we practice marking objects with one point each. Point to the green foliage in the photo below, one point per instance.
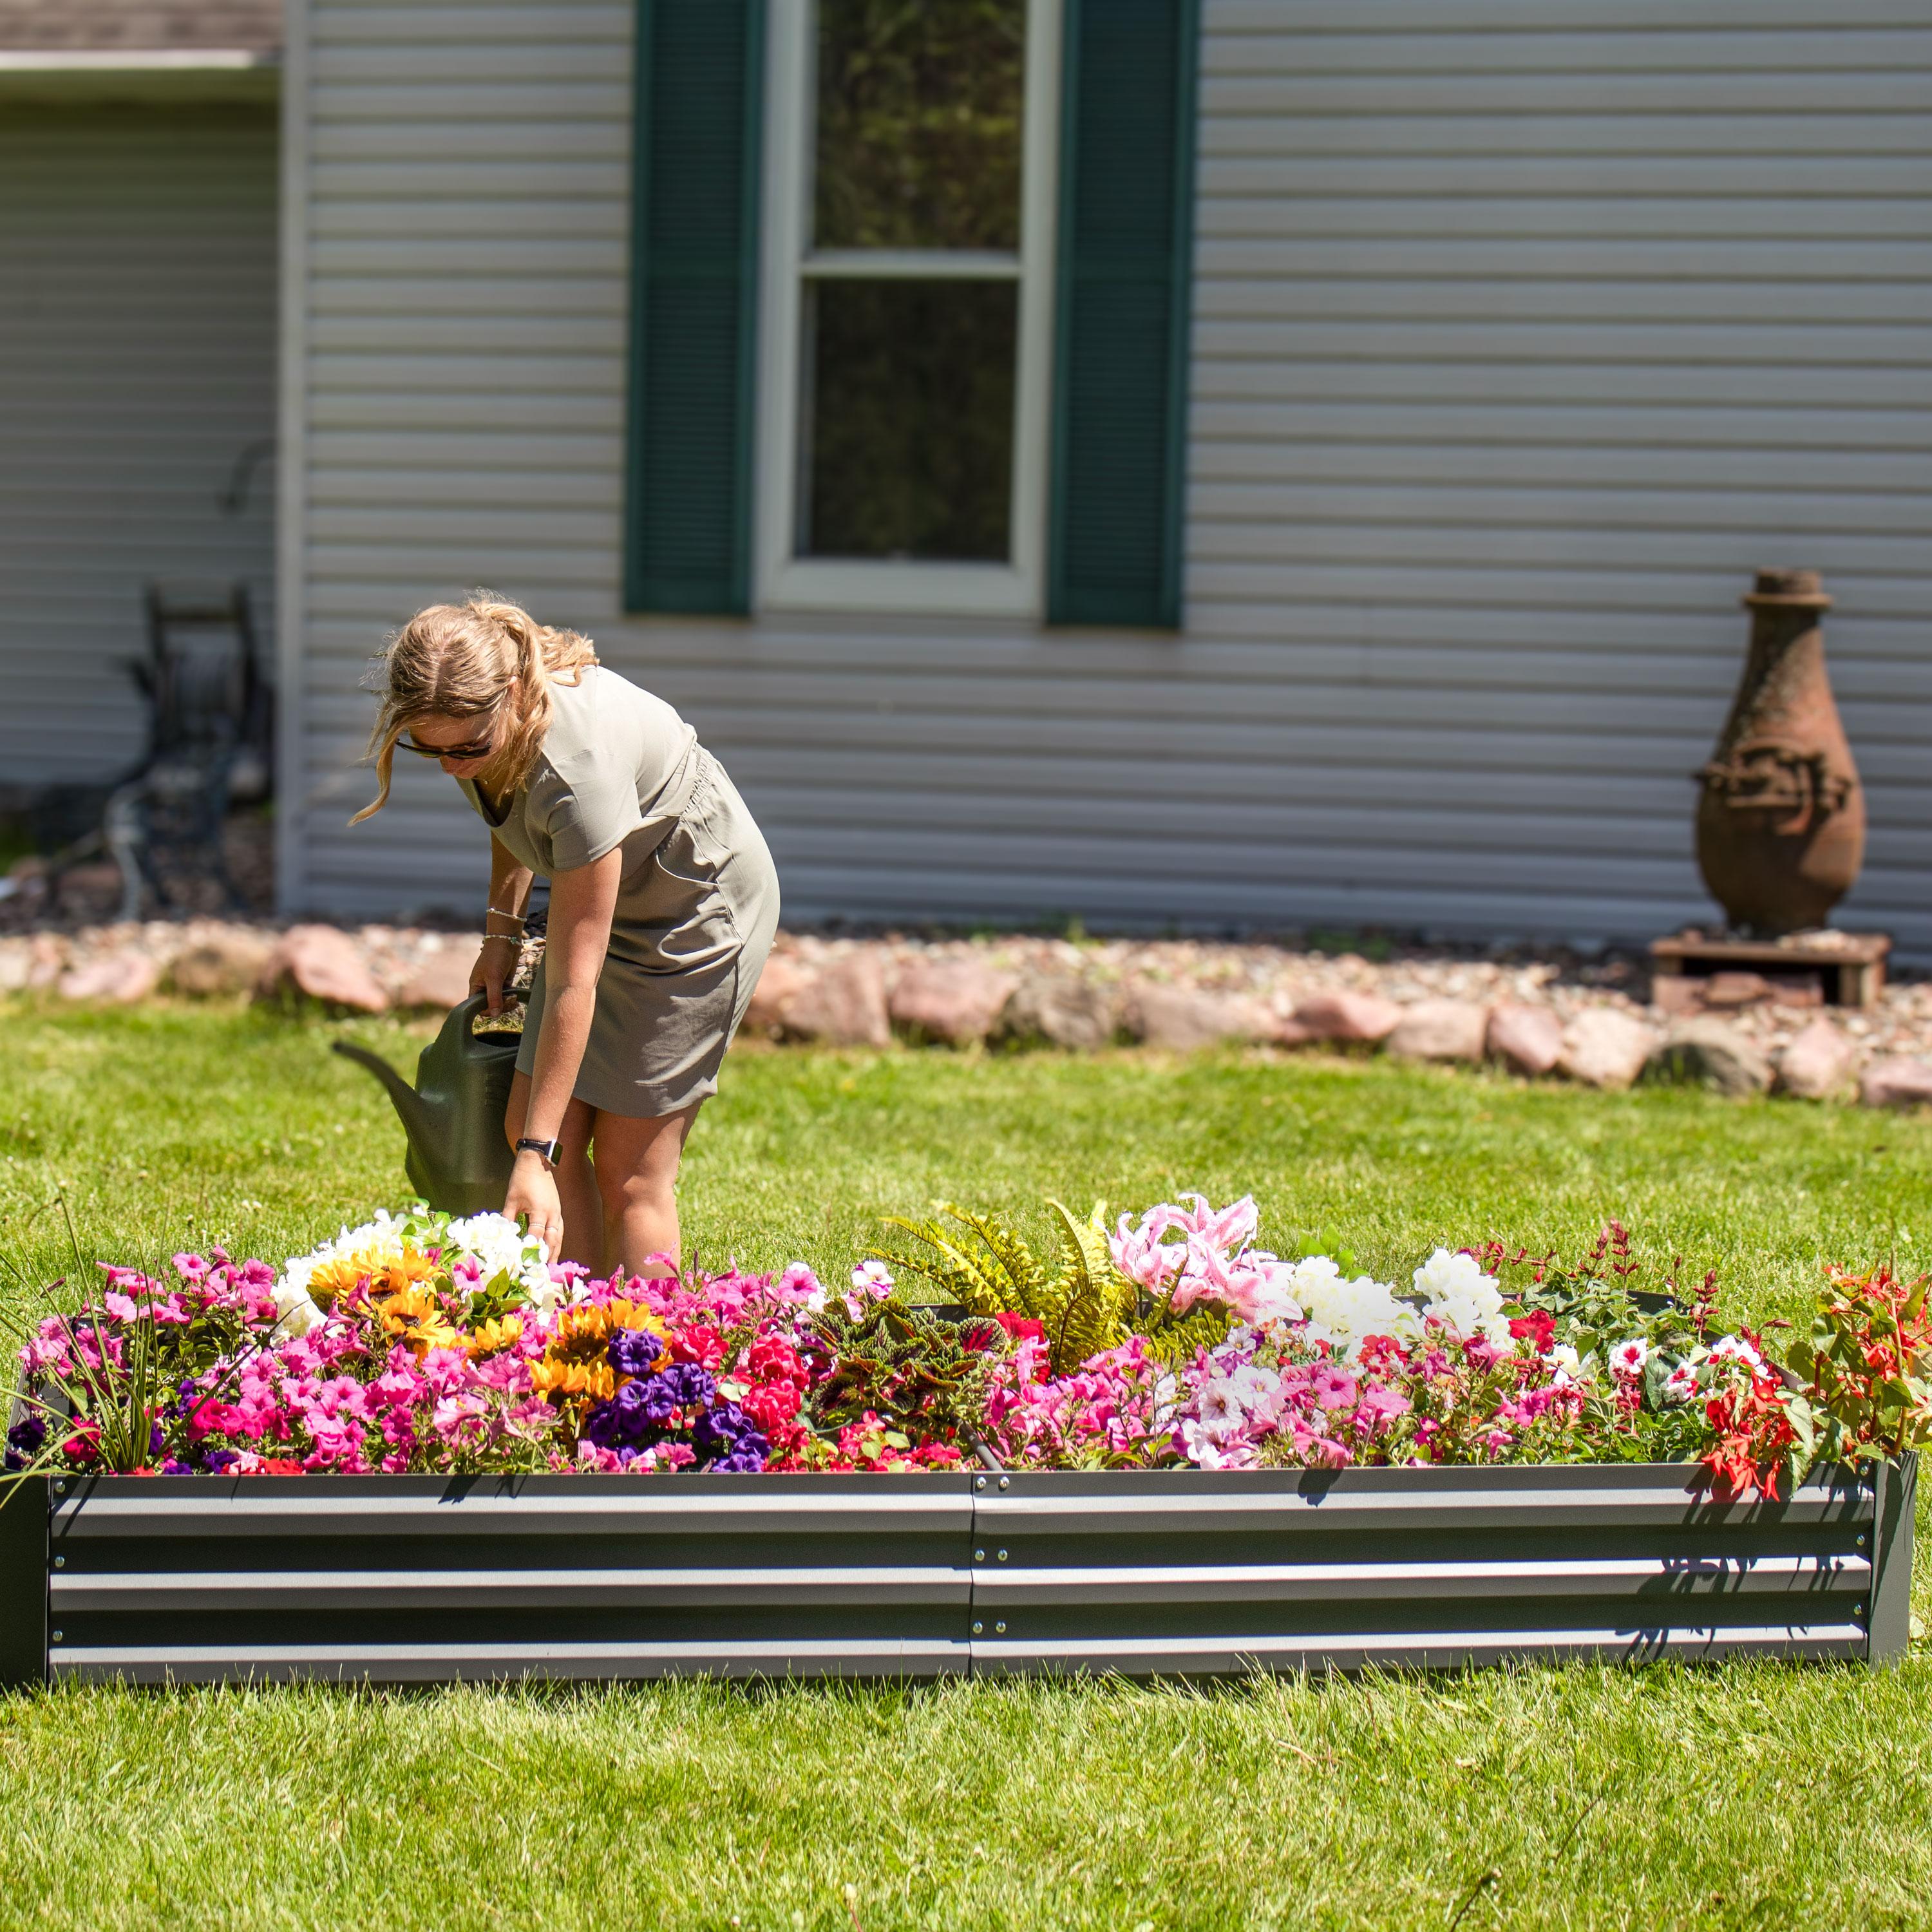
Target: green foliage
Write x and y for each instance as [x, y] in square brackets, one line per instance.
[1357, 1802]
[1595, 1301]
[982, 1260]
[910, 1369]
[1866, 1366]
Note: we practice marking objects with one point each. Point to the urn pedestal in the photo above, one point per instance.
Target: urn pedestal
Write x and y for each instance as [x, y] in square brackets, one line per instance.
[1781, 819]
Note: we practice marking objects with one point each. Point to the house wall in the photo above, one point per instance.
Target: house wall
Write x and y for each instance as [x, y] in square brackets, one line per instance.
[1524, 332]
[137, 360]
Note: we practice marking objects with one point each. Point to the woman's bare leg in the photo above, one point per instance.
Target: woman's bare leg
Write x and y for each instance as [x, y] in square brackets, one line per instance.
[636, 1164]
[576, 1185]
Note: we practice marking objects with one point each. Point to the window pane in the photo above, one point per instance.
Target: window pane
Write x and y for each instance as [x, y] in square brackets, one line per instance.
[918, 123]
[907, 425]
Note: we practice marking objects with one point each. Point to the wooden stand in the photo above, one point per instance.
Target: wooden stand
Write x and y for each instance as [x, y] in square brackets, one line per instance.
[1693, 973]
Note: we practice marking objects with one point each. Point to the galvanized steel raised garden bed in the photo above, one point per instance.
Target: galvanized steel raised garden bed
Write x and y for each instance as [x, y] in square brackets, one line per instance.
[409, 1579]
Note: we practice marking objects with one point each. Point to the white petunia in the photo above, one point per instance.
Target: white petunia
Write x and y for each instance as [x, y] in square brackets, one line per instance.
[1736, 1348]
[1628, 1357]
[1218, 1405]
[295, 1312]
[873, 1278]
[1458, 1293]
[1566, 1369]
[1681, 1385]
[1344, 1314]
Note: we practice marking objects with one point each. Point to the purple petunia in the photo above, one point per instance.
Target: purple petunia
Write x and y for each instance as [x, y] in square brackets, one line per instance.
[635, 1351]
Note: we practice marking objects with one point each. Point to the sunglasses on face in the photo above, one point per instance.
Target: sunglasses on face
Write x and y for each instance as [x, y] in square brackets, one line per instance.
[480, 747]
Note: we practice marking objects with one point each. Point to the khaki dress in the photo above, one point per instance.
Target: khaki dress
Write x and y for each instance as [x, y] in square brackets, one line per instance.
[697, 907]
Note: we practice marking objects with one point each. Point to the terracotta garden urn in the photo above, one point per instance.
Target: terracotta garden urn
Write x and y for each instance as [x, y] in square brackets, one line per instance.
[1781, 818]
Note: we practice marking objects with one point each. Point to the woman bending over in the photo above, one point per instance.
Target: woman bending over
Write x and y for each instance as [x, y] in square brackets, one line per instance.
[663, 903]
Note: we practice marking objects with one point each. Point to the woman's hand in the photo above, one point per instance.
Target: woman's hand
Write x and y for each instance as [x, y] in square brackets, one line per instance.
[495, 962]
[533, 1191]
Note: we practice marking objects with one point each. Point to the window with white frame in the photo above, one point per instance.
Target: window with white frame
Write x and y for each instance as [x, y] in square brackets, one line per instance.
[907, 323]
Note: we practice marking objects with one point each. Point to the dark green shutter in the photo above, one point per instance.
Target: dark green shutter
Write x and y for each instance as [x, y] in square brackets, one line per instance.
[1126, 233]
[694, 304]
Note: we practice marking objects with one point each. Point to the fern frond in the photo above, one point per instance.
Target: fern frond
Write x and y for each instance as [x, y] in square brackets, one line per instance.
[1177, 1339]
[1089, 1262]
[960, 1275]
[1016, 1267]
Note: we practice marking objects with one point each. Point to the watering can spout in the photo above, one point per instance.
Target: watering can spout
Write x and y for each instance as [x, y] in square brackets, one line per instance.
[408, 1102]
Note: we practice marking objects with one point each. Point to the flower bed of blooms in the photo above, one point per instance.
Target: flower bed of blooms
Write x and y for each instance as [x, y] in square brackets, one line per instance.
[422, 1343]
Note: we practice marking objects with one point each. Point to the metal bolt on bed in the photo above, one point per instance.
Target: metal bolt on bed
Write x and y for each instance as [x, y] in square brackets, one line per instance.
[1004, 1481]
[978, 1629]
[1002, 1556]
[60, 1562]
[1000, 1628]
[979, 1556]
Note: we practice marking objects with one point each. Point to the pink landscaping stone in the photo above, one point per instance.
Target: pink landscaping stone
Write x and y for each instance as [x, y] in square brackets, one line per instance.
[1817, 1063]
[1181, 1020]
[1897, 1083]
[317, 962]
[118, 979]
[844, 1005]
[50, 955]
[1441, 1030]
[1348, 1017]
[1604, 1048]
[783, 976]
[441, 978]
[1712, 1054]
[224, 963]
[955, 1000]
[1527, 1039]
[1060, 1009]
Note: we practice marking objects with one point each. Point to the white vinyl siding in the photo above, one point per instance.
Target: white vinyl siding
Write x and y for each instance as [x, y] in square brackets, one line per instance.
[137, 362]
[1525, 330]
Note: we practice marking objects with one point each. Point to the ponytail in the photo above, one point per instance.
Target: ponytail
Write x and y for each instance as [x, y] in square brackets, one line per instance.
[484, 659]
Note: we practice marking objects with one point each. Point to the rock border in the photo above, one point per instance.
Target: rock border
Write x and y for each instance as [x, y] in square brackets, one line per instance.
[1536, 1015]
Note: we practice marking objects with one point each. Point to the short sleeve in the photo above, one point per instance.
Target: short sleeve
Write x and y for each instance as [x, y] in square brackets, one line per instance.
[591, 811]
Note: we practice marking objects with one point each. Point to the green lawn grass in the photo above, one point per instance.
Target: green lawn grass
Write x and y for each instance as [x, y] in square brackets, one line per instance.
[1757, 1796]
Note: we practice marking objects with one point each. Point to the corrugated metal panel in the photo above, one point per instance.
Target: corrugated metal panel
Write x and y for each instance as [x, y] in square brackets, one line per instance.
[1206, 1574]
[197, 1580]
[137, 362]
[1523, 334]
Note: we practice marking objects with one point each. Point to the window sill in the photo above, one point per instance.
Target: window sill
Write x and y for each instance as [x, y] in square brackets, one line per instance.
[909, 589]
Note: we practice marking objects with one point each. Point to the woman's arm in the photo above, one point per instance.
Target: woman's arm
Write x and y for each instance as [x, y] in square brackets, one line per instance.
[581, 903]
[502, 926]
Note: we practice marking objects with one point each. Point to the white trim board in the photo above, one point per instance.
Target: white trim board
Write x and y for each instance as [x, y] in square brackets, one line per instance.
[292, 744]
[784, 582]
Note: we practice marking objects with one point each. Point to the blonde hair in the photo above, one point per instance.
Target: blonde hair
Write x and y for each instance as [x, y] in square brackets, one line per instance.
[484, 658]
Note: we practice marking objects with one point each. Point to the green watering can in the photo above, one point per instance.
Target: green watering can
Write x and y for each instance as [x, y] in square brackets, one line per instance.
[458, 1160]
